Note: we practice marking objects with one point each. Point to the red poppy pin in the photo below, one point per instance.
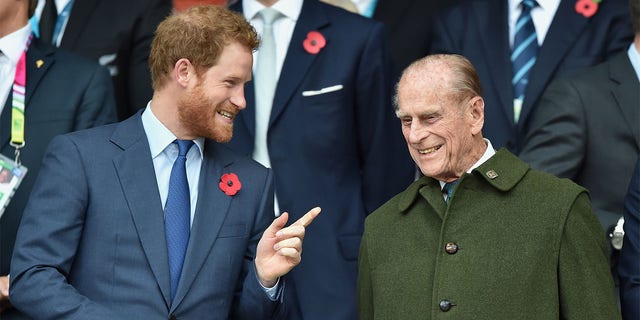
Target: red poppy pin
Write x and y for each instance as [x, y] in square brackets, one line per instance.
[314, 42]
[587, 8]
[229, 184]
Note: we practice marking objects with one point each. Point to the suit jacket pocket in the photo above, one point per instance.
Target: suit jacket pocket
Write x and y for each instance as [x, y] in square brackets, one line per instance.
[234, 230]
[350, 246]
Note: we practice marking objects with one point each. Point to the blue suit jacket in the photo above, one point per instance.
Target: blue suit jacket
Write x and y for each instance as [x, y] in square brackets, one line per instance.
[478, 29]
[66, 93]
[92, 243]
[629, 263]
[342, 151]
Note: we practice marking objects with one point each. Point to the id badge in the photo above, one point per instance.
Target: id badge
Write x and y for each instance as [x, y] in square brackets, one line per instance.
[11, 175]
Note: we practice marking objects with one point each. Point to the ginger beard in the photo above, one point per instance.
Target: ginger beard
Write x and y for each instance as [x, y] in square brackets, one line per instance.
[202, 118]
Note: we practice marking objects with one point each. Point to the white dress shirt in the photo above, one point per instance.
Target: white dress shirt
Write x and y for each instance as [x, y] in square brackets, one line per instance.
[542, 15]
[282, 28]
[12, 46]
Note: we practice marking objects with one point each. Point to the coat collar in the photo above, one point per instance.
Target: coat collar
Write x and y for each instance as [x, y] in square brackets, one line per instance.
[503, 171]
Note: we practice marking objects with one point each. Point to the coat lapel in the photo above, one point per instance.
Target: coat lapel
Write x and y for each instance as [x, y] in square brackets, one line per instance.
[495, 41]
[134, 168]
[626, 92]
[39, 60]
[82, 12]
[211, 211]
[298, 61]
[565, 28]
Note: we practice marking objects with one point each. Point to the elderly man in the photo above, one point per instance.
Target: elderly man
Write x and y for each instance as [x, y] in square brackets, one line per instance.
[481, 236]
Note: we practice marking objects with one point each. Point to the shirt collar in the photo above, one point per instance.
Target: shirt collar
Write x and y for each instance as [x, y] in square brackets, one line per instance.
[488, 153]
[634, 57]
[162, 137]
[514, 5]
[13, 44]
[289, 8]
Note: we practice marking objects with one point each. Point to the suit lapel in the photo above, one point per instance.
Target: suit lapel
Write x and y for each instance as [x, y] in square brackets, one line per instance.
[565, 28]
[495, 40]
[626, 92]
[81, 13]
[37, 54]
[211, 211]
[134, 167]
[298, 61]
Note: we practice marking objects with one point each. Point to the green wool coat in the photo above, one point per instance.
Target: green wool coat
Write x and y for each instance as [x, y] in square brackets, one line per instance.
[514, 243]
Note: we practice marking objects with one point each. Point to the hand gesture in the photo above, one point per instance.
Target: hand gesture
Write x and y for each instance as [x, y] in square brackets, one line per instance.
[280, 248]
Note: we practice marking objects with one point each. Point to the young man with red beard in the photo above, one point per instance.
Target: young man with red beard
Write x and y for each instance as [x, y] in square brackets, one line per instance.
[153, 218]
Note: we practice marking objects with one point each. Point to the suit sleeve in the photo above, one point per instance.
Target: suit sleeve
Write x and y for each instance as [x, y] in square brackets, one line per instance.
[251, 301]
[138, 79]
[387, 168]
[49, 235]
[556, 140]
[584, 278]
[629, 263]
[98, 104]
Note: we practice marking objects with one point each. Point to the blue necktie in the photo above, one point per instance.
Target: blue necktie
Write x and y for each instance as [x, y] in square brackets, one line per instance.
[177, 212]
[525, 49]
[448, 190]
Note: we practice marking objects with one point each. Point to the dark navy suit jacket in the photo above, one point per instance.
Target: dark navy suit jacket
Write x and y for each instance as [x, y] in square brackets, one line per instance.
[92, 242]
[66, 93]
[478, 29]
[629, 264]
[118, 34]
[342, 150]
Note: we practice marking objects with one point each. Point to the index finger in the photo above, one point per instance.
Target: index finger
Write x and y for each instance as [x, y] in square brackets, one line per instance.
[308, 217]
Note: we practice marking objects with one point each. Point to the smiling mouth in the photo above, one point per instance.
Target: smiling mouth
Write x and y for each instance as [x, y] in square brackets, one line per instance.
[226, 114]
[430, 150]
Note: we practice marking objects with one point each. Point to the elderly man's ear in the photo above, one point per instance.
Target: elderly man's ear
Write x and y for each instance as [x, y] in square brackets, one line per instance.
[476, 113]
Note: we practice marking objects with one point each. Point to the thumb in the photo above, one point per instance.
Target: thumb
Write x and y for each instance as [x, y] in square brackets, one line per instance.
[278, 224]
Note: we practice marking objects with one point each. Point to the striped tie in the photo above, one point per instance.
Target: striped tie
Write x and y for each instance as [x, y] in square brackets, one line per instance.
[523, 57]
[448, 190]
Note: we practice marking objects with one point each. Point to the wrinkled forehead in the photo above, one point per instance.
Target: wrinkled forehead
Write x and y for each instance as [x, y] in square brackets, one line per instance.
[423, 88]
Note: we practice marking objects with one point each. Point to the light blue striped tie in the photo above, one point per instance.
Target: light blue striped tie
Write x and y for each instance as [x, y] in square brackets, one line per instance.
[525, 49]
[177, 213]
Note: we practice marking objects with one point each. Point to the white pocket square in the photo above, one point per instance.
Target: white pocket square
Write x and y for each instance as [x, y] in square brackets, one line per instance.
[322, 91]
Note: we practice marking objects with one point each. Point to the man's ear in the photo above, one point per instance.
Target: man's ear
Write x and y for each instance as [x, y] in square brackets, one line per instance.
[476, 113]
[183, 71]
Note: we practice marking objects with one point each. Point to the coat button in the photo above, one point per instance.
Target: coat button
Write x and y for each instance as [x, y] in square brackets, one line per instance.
[172, 317]
[445, 305]
[451, 247]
